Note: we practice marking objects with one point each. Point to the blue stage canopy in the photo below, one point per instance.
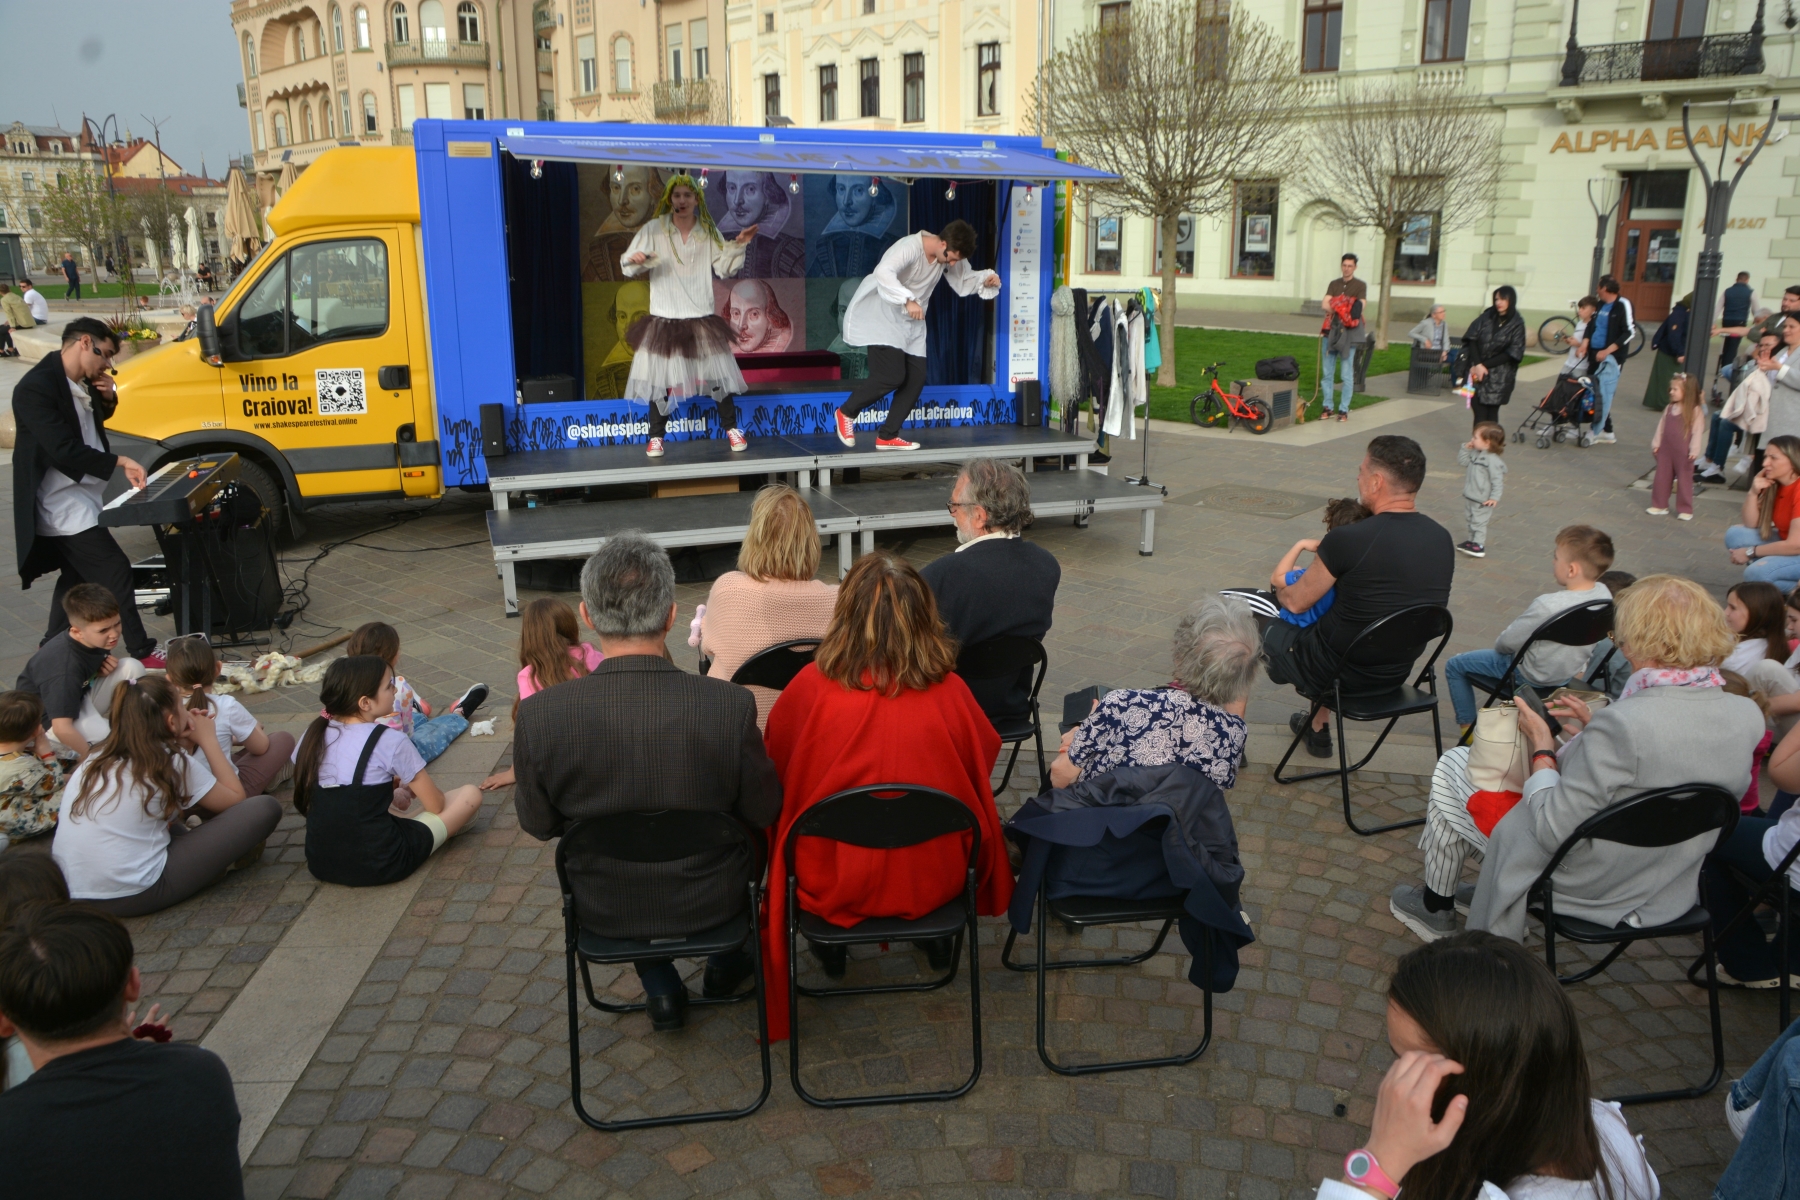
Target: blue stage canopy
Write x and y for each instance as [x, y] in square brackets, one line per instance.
[943, 156]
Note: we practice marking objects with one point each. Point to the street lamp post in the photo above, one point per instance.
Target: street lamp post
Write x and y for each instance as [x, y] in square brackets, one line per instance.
[1603, 212]
[1718, 212]
[121, 245]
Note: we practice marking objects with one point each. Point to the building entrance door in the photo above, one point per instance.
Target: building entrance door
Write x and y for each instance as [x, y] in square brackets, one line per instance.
[1647, 250]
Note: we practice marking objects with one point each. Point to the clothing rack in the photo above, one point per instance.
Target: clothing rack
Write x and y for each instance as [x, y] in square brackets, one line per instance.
[1142, 479]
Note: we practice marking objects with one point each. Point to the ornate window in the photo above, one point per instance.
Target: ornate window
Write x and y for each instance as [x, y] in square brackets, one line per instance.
[337, 30]
[1446, 31]
[870, 87]
[468, 22]
[1324, 29]
[987, 79]
[402, 28]
[912, 95]
[249, 57]
[281, 130]
[828, 92]
[362, 28]
[371, 123]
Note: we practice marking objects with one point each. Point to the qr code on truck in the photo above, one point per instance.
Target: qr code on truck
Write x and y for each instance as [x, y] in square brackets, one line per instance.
[341, 391]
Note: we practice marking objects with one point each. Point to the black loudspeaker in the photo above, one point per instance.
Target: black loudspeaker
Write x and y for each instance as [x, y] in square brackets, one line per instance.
[1030, 402]
[548, 389]
[493, 430]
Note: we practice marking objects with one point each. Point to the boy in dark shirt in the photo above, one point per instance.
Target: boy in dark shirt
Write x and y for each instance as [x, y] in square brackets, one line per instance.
[95, 1117]
[74, 673]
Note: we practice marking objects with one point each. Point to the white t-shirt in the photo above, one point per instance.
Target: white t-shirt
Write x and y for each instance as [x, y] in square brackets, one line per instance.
[395, 756]
[117, 849]
[67, 506]
[40, 307]
[232, 722]
[1574, 358]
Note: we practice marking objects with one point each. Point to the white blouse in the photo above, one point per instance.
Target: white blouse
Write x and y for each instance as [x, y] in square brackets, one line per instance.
[681, 268]
[877, 313]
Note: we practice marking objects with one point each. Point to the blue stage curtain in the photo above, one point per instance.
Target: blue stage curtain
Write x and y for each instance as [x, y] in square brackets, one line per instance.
[959, 346]
[544, 252]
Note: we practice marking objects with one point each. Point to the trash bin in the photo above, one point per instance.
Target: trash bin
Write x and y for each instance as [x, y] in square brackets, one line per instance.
[1426, 374]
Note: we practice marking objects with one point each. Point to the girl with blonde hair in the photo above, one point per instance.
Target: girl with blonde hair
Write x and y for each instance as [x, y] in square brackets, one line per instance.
[1679, 440]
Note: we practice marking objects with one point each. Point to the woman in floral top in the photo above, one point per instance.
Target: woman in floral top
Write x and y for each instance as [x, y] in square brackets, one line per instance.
[1198, 720]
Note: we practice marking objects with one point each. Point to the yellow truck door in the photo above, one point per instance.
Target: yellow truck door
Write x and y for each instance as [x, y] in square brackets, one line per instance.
[317, 363]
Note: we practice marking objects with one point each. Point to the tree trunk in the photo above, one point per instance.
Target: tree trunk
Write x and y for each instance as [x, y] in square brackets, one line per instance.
[1390, 242]
[1165, 311]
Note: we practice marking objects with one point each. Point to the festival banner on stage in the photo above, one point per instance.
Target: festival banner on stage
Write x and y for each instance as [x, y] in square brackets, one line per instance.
[1024, 232]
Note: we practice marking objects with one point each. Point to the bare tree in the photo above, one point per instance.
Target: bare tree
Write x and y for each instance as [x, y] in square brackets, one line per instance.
[83, 210]
[1390, 157]
[1180, 99]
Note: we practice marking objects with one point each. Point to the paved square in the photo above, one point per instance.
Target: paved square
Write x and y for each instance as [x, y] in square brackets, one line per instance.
[413, 1041]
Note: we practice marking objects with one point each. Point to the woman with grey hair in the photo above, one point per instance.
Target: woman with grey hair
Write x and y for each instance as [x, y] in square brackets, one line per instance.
[1198, 720]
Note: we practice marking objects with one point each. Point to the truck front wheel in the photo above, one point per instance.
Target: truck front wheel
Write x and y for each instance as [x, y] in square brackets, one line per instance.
[258, 479]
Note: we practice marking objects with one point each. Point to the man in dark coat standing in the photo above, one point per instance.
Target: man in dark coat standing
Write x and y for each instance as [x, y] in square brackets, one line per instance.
[638, 733]
[995, 583]
[61, 465]
[72, 273]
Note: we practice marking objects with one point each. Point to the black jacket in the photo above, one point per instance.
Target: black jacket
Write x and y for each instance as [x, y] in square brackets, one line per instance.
[640, 733]
[49, 436]
[1498, 344]
[994, 589]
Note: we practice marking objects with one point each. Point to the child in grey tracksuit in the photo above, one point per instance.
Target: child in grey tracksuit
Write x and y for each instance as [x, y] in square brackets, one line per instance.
[1482, 484]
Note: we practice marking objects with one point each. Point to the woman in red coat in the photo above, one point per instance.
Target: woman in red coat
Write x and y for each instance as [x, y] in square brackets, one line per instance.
[879, 704]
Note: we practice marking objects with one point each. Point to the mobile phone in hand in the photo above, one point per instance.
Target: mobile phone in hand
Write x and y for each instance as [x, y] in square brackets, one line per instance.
[1529, 698]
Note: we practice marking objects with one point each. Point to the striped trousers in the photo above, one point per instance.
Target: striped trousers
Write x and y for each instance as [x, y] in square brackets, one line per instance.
[1450, 835]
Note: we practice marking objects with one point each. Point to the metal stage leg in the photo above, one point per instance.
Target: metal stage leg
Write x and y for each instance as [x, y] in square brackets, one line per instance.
[509, 587]
[1147, 545]
[499, 500]
[824, 479]
[803, 479]
[1081, 462]
[845, 554]
[1030, 464]
[868, 541]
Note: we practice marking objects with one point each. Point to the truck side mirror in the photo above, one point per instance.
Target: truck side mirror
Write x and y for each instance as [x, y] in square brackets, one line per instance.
[208, 333]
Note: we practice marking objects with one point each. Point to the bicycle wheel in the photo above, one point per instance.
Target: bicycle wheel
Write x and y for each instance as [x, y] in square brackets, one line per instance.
[1205, 410]
[1259, 416]
[1635, 342]
[1556, 334]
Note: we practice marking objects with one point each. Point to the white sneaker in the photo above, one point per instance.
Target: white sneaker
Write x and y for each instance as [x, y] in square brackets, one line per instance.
[653, 448]
[1684, 516]
[1657, 512]
[1738, 1119]
[1608, 438]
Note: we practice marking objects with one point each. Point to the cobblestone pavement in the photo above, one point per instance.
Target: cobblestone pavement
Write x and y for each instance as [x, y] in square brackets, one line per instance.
[447, 1072]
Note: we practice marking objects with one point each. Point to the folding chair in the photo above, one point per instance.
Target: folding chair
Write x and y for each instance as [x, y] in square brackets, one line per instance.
[1003, 658]
[1397, 637]
[774, 667]
[1079, 912]
[1583, 625]
[1760, 893]
[1650, 820]
[888, 816]
[655, 837]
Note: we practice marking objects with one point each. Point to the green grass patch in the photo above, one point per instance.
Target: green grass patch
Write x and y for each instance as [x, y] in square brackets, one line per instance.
[53, 288]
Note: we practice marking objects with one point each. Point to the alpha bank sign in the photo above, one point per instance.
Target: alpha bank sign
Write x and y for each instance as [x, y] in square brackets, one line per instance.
[1649, 137]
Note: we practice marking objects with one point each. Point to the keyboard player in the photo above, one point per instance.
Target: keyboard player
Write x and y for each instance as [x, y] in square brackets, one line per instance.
[61, 465]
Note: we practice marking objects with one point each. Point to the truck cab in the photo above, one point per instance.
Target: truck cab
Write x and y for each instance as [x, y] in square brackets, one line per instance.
[322, 382]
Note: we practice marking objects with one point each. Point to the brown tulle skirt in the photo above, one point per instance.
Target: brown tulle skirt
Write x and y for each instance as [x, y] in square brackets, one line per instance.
[673, 359]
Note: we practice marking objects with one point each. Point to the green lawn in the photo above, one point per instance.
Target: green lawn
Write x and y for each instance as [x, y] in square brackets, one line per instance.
[53, 288]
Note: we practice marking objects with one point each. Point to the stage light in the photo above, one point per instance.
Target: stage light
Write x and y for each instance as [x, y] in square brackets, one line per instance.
[874, 185]
[794, 184]
[619, 173]
[703, 178]
[950, 192]
[537, 168]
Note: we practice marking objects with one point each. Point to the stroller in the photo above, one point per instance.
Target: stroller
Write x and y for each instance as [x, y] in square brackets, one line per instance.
[1568, 403]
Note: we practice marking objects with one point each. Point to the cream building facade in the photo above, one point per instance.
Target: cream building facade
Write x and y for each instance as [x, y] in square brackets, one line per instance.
[1604, 106]
[32, 157]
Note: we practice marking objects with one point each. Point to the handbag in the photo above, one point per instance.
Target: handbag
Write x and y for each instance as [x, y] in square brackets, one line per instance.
[1282, 366]
[1498, 755]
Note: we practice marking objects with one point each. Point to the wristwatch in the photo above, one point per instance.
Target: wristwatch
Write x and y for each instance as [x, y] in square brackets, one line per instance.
[1753, 553]
[1361, 1169]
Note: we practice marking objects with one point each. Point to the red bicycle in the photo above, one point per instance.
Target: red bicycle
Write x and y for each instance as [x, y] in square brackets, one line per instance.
[1217, 407]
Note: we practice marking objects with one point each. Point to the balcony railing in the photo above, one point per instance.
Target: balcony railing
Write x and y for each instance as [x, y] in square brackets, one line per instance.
[688, 98]
[1716, 57]
[432, 53]
[401, 137]
[545, 64]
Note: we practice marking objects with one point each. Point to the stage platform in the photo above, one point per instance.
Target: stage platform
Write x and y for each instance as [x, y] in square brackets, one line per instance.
[850, 512]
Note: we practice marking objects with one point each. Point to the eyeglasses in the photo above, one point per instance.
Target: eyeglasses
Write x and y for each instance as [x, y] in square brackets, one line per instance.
[185, 637]
[956, 504]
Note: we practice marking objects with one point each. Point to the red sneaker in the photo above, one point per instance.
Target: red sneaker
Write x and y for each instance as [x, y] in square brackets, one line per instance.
[846, 429]
[882, 443]
[737, 440]
[653, 449]
[154, 661]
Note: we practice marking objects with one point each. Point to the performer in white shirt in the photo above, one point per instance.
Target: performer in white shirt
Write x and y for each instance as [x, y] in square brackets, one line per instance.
[682, 347]
[887, 315]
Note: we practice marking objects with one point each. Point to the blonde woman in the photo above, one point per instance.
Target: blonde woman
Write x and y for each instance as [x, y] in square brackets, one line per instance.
[1673, 723]
[773, 596]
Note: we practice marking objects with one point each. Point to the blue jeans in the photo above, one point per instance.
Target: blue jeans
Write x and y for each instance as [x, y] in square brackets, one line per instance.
[1782, 570]
[1718, 446]
[431, 738]
[1336, 367]
[1606, 379]
[1464, 671]
[1744, 952]
[1767, 1162]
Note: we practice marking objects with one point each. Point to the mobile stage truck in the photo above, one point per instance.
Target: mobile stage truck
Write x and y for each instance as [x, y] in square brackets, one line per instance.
[453, 315]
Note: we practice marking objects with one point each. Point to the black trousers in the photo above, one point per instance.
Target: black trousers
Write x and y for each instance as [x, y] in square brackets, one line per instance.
[1485, 412]
[92, 556]
[73, 291]
[890, 370]
[659, 420]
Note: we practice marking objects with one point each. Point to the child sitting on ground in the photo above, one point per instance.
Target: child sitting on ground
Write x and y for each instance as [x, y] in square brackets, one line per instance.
[550, 652]
[1483, 482]
[1582, 553]
[432, 736]
[75, 673]
[192, 668]
[31, 778]
[25, 879]
[345, 773]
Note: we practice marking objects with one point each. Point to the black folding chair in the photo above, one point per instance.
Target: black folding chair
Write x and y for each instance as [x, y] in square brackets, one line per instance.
[1397, 637]
[1079, 912]
[1650, 820]
[1773, 890]
[1004, 658]
[658, 837]
[888, 816]
[774, 667]
[1583, 625]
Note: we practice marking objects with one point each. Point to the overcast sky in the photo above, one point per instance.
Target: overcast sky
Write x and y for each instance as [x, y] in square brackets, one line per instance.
[171, 61]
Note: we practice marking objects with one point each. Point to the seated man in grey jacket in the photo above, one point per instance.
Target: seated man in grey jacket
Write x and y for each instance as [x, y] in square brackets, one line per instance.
[1433, 333]
[1673, 724]
[1582, 555]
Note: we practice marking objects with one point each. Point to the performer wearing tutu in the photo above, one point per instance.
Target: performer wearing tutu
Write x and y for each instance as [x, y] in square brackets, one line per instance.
[887, 315]
[682, 347]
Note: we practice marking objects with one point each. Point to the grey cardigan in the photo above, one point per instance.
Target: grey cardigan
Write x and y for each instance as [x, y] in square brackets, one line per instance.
[1658, 737]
